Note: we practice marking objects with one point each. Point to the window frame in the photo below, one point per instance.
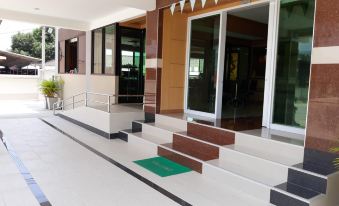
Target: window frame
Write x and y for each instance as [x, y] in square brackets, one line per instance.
[103, 50]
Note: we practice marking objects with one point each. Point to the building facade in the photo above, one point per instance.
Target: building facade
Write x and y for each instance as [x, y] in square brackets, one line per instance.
[307, 48]
[230, 66]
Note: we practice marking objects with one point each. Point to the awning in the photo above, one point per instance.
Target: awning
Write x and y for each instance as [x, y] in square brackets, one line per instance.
[10, 59]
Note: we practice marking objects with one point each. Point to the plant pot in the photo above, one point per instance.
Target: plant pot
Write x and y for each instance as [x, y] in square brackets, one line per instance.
[51, 101]
[46, 103]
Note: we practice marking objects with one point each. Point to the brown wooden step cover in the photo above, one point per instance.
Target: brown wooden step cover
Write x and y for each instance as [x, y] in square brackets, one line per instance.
[210, 134]
[180, 159]
[195, 148]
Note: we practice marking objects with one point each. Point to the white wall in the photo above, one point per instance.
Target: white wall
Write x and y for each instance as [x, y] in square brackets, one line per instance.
[73, 84]
[107, 122]
[103, 84]
[13, 87]
[76, 84]
[90, 116]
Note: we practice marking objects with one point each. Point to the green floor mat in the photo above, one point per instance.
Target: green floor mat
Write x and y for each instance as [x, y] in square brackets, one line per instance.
[162, 166]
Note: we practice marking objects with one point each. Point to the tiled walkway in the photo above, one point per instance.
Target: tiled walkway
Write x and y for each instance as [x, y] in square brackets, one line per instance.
[71, 175]
[13, 188]
[23, 109]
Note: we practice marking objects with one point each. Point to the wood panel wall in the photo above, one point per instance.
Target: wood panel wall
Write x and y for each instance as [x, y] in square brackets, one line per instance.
[174, 57]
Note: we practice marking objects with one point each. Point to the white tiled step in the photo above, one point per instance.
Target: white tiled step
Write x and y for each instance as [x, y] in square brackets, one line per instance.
[253, 167]
[147, 141]
[163, 131]
[284, 153]
[173, 122]
[236, 177]
[143, 142]
[270, 175]
[274, 157]
[254, 174]
[153, 138]
[192, 187]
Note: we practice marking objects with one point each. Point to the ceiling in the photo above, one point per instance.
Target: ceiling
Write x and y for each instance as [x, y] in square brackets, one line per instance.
[73, 13]
[259, 14]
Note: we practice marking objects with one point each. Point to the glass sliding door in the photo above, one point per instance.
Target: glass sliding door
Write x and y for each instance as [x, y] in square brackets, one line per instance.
[131, 67]
[203, 64]
[293, 62]
[245, 67]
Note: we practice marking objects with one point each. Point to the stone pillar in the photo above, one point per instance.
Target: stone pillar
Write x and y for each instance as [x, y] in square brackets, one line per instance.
[323, 109]
[153, 61]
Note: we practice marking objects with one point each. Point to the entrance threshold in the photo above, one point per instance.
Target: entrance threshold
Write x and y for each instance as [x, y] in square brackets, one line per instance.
[248, 126]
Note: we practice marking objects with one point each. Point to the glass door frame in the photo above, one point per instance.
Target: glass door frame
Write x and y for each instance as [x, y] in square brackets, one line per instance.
[271, 67]
[220, 71]
[271, 64]
[221, 57]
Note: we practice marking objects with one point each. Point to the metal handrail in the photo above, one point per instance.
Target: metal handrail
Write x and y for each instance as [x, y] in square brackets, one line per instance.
[62, 104]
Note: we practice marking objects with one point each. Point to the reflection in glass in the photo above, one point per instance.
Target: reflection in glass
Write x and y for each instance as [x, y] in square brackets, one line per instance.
[109, 49]
[97, 51]
[293, 62]
[245, 68]
[132, 67]
[203, 64]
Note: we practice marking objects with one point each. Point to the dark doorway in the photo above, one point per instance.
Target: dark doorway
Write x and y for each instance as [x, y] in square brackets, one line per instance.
[71, 56]
[131, 63]
[245, 65]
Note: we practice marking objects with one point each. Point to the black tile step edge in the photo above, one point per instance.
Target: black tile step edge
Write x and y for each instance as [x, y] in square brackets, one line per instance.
[307, 180]
[137, 126]
[281, 199]
[90, 128]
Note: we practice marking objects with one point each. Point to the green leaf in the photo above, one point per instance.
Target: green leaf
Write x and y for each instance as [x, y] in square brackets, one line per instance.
[49, 88]
[30, 44]
[334, 150]
[336, 163]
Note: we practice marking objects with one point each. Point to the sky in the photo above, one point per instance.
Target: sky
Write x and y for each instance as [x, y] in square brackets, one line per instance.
[9, 28]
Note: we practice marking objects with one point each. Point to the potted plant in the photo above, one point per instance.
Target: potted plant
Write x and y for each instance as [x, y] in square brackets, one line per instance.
[49, 89]
[335, 161]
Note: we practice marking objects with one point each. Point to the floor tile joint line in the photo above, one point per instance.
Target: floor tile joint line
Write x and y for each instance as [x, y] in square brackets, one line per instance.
[122, 167]
[26, 175]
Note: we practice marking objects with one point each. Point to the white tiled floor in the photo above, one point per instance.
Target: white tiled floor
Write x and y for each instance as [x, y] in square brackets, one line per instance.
[13, 188]
[23, 109]
[71, 175]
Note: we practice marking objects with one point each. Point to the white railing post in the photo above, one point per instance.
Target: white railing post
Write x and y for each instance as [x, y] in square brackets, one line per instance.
[73, 102]
[86, 104]
[109, 104]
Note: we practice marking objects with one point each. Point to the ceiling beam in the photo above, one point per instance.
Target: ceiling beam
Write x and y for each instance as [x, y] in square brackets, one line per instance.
[123, 15]
[44, 20]
[147, 5]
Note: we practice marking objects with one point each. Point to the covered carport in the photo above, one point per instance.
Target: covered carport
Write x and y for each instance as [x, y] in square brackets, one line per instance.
[17, 64]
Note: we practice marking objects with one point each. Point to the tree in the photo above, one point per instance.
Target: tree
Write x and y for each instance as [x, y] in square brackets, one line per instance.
[29, 44]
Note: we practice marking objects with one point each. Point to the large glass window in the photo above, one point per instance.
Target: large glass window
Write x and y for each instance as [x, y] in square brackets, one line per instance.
[132, 64]
[109, 49]
[104, 41]
[293, 62]
[203, 64]
[97, 51]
